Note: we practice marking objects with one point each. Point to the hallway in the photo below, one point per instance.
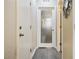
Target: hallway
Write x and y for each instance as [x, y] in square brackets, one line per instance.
[37, 23]
[46, 53]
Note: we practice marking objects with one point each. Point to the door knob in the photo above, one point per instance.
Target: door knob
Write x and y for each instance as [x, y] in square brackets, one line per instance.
[21, 34]
[30, 50]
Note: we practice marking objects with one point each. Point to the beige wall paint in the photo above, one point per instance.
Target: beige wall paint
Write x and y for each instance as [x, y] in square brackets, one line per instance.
[68, 37]
[10, 30]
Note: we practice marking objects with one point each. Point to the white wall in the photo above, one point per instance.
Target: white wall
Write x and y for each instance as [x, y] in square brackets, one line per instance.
[10, 30]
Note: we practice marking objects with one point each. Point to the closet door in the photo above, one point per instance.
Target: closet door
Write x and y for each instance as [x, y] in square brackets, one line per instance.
[24, 36]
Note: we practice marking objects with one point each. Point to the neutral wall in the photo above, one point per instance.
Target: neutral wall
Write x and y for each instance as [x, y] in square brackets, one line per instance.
[68, 37]
[10, 30]
[67, 34]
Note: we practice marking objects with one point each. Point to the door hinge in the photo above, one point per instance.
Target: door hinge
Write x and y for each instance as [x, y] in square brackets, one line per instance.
[60, 26]
[30, 50]
[30, 3]
[60, 51]
[60, 43]
[60, 47]
[30, 27]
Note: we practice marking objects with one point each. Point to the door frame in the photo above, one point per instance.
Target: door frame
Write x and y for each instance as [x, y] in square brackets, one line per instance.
[53, 44]
[17, 30]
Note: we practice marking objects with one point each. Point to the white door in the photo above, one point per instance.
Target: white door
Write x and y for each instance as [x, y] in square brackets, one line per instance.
[46, 27]
[24, 36]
